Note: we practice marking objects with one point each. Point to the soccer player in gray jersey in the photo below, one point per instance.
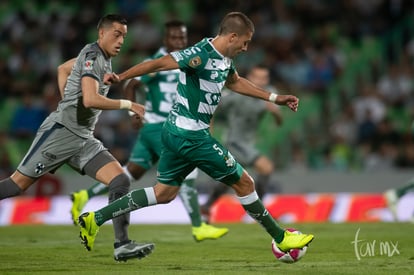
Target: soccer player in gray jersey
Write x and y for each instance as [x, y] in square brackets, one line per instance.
[241, 116]
[160, 91]
[205, 69]
[66, 135]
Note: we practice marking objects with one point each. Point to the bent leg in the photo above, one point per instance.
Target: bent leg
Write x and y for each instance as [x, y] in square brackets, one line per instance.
[254, 207]
[112, 174]
[136, 199]
[15, 185]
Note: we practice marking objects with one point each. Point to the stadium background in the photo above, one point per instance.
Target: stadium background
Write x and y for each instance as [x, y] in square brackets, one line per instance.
[350, 62]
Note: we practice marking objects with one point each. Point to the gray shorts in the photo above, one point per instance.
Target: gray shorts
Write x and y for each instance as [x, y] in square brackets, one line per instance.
[245, 153]
[53, 146]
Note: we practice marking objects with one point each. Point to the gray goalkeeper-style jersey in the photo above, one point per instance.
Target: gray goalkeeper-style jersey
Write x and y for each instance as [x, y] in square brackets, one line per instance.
[70, 112]
[203, 73]
[66, 136]
[242, 115]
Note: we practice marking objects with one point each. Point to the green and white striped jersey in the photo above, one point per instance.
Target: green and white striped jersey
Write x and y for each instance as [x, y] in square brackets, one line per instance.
[161, 90]
[203, 73]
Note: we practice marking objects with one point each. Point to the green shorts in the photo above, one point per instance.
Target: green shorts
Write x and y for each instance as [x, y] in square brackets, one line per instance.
[179, 156]
[147, 148]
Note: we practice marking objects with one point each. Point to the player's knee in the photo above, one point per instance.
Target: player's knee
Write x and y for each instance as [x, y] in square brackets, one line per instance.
[165, 194]
[119, 187]
[245, 185]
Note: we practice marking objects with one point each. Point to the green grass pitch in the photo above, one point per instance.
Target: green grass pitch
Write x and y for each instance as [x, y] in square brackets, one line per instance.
[350, 248]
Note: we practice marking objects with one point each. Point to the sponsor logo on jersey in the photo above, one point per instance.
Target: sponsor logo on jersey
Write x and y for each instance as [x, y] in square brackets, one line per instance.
[88, 65]
[214, 75]
[177, 56]
[192, 50]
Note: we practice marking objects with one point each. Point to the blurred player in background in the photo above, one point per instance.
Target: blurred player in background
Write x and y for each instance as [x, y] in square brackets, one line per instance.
[242, 116]
[205, 68]
[160, 96]
[392, 196]
[66, 136]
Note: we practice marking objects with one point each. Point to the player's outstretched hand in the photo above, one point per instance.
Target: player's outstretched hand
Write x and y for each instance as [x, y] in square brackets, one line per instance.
[111, 78]
[289, 100]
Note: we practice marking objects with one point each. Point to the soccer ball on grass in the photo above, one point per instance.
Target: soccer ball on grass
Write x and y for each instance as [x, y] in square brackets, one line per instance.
[290, 256]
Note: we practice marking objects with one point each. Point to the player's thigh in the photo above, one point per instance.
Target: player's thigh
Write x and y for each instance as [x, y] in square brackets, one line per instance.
[95, 160]
[216, 161]
[147, 149]
[103, 167]
[173, 168]
[53, 146]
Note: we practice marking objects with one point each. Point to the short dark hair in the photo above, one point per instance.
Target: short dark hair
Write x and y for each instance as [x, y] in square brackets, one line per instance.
[174, 23]
[108, 19]
[236, 22]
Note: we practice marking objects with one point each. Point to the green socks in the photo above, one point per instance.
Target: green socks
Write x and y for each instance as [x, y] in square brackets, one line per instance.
[189, 196]
[134, 200]
[255, 208]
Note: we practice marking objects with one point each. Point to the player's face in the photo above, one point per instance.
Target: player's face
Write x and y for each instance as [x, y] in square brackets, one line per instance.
[175, 38]
[238, 44]
[112, 38]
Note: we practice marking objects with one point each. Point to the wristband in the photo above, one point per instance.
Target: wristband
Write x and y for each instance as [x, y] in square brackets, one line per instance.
[272, 97]
[125, 104]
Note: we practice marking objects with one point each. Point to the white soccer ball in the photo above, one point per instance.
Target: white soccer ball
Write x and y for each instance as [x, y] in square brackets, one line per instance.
[290, 256]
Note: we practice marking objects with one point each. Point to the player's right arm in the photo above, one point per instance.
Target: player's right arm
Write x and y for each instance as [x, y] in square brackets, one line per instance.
[92, 98]
[164, 63]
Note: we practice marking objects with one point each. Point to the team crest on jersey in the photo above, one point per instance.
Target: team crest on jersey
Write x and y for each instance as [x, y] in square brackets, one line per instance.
[39, 168]
[195, 61]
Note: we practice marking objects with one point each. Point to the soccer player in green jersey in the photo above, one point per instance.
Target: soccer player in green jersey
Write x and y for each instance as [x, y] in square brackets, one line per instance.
[241, 115]
[160, 90]
[205, 68]
[66, 136]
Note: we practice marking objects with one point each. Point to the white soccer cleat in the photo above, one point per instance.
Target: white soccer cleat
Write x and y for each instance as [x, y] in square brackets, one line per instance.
[133, 250]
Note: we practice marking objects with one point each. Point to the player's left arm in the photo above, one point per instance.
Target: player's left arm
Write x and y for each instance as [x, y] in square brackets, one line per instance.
[63, 72]
[243, 86]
